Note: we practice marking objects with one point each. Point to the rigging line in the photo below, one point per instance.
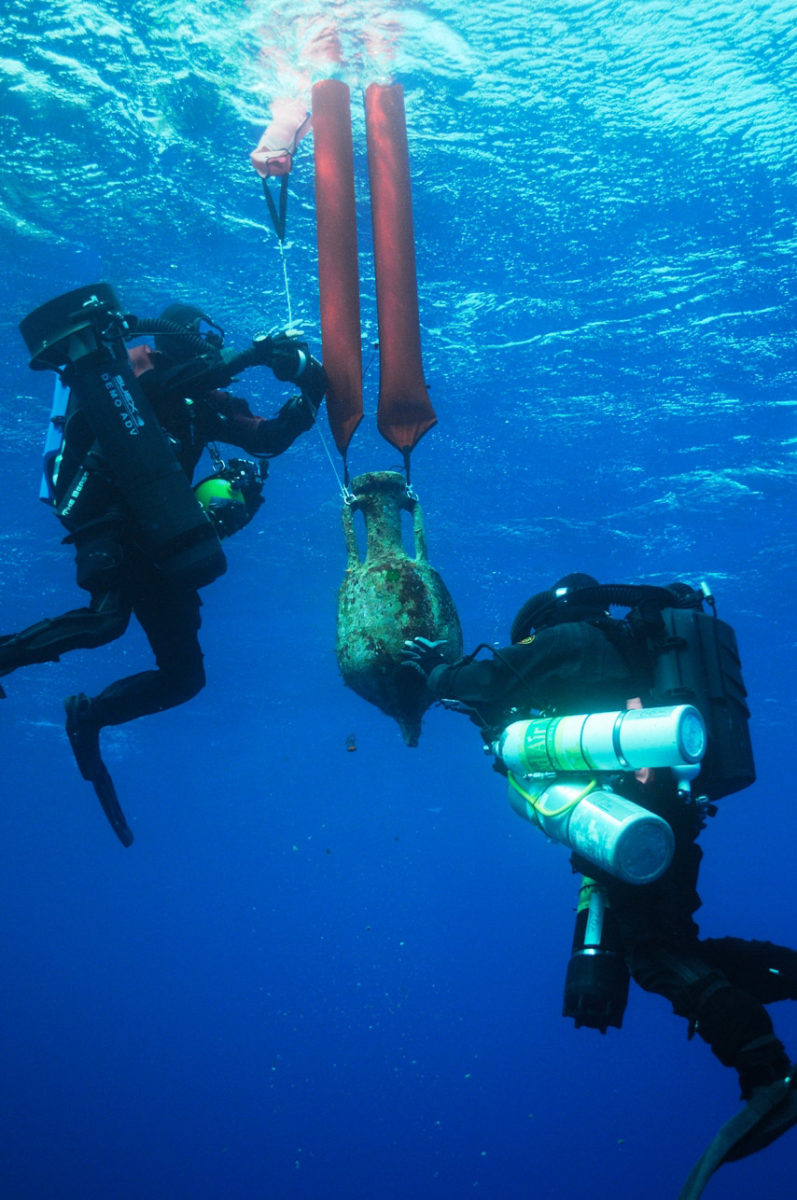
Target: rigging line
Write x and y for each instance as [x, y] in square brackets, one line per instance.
[283, 259]
[344, 491]
[341, 486]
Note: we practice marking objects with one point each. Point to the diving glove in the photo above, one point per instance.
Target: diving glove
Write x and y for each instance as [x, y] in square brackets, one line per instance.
[314, 383]
[287, 356]
[423, 655]
[291, 361]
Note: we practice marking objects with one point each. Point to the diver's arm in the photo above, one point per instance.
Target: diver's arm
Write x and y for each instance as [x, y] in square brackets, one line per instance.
[471, 681]
[226, 418]
[510, 673]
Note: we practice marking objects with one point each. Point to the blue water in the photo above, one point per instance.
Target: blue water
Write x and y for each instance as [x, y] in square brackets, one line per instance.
[319, 973]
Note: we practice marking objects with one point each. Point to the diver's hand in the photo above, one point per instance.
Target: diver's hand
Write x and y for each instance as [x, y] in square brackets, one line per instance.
[422, 655]
[299, 413]
[314, 383]
[286, 355]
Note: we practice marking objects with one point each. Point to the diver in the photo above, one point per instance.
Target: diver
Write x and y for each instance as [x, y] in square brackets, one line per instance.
[568, 656]
[114, 563]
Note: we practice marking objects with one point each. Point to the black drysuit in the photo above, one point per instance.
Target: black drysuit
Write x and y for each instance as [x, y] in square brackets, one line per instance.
[120, 578]
[718, 985]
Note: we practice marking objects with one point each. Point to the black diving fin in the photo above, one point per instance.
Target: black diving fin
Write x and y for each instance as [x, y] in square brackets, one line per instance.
[84, 738]
[776, 1121]
[106, 794]
[769, 1113]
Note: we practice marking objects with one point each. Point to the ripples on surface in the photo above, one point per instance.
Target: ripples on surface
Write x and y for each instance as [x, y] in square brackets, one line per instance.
[603, 193]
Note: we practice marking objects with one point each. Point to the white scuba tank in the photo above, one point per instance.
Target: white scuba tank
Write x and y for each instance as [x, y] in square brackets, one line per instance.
[613, 741]
[550, 761]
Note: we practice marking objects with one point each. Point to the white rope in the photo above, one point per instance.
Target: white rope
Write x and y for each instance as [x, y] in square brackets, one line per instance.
[341, 486]
[344, 491]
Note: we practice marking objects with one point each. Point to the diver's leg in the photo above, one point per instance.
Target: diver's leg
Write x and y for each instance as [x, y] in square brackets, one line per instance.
[102, 621]
[738, 1030]
[100, 570]
[734, 1023]
[171, 620]
[764, 969]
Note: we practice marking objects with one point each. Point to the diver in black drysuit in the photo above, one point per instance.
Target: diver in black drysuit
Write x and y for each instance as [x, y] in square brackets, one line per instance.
[720, 985]
[110, 564]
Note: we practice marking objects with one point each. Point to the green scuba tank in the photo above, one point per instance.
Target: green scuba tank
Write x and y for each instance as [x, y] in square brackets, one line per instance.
[232, 494]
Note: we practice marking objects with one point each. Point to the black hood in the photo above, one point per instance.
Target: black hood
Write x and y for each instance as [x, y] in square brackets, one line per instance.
[191, 319]
[572, 598]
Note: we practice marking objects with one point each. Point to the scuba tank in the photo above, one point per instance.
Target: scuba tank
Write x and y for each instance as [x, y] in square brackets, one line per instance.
[81, 336]
[232, 494]
[622, 838]
[548, 761]
[597, 978]
[614, 741]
